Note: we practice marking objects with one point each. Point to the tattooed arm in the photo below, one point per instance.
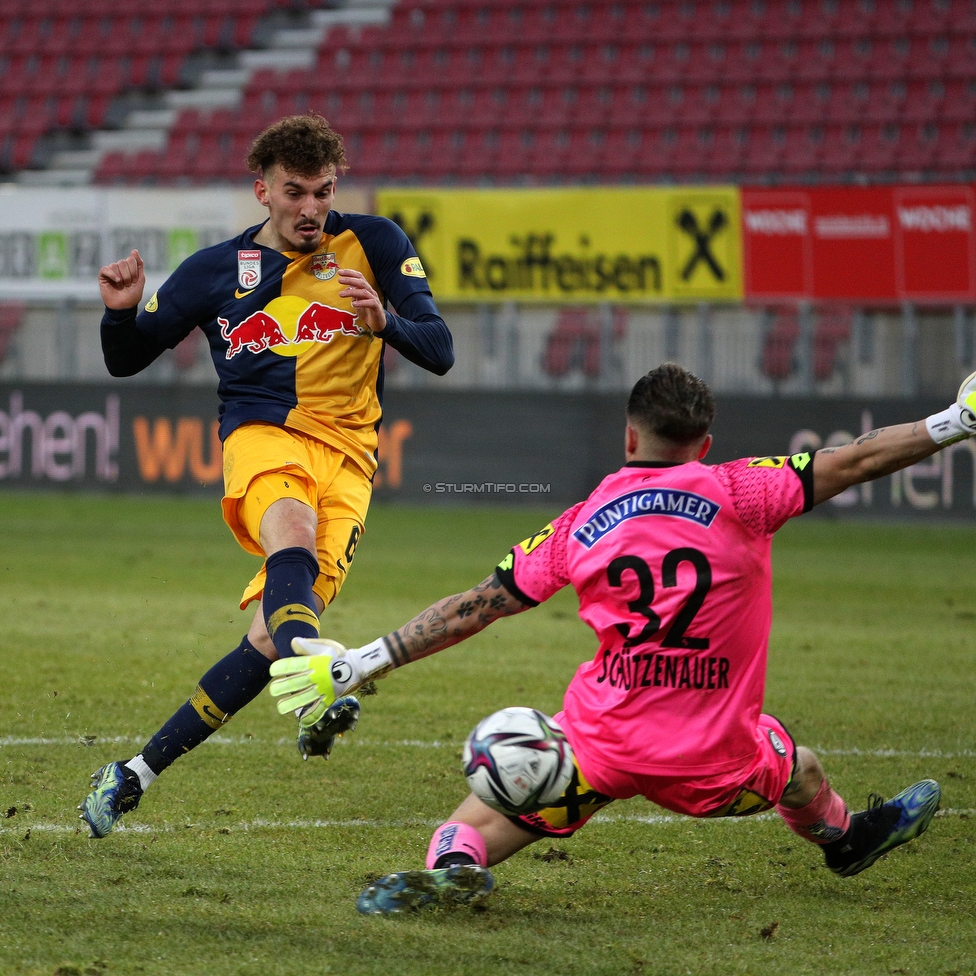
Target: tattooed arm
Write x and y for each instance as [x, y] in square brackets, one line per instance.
[452, 620]
[873, 455]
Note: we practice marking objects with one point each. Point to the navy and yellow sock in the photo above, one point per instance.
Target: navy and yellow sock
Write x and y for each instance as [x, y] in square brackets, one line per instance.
[288, 601]
[224, 690]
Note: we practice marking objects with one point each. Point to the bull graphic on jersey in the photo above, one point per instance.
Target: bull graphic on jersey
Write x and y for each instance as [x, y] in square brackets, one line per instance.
[262, 331]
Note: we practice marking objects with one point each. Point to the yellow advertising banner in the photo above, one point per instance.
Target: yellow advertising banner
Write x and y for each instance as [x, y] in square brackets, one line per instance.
[575, 245]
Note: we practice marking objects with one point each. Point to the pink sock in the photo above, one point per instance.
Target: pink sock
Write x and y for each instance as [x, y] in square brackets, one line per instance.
[822, 820]
[456, 837]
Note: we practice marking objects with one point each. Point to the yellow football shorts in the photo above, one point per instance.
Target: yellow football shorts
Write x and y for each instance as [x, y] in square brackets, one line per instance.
[263, 463]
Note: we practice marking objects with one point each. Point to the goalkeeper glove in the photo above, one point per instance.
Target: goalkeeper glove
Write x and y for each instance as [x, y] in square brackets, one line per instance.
[321, 671]
[958, 421]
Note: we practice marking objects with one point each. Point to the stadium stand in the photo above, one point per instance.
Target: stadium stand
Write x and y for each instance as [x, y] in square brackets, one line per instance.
[11, 318]
[548, 91]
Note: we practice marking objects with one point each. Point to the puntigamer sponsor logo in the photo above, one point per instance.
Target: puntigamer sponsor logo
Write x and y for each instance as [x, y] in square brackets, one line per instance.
[537, 263]
[656, 501]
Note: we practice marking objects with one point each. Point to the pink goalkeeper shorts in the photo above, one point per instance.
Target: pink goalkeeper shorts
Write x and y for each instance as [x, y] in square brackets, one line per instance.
[757, 786]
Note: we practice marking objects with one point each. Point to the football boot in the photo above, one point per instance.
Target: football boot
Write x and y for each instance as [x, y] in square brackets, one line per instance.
[883, 826]
[116, 790]
[318, 739]
[460, 884]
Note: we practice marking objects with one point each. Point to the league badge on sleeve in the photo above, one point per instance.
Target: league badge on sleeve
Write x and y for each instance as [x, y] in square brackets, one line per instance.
[324, 266]
[412, 268]
[248, 269]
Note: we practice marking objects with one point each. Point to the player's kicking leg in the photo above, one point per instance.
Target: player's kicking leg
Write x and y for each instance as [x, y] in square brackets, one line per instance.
[225, 689]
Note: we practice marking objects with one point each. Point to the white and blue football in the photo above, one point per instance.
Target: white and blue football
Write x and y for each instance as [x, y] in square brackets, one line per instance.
[518, 761]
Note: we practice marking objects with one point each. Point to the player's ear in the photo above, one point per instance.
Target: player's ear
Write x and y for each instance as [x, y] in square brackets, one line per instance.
[261, 191]
[706, 445]
[631, 441]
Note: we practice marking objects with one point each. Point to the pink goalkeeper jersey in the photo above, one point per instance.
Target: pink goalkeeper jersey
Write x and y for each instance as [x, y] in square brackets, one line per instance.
[671, 563]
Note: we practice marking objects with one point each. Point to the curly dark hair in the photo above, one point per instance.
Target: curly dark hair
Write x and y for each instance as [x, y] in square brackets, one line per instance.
[672, 403]
[302, 144]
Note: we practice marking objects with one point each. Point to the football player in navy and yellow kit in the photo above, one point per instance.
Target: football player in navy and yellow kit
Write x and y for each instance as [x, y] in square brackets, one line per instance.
[295, 313]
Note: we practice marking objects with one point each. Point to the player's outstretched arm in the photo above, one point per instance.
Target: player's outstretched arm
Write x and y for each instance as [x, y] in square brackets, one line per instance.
[452, 620]
[323, 670]
[889, 449]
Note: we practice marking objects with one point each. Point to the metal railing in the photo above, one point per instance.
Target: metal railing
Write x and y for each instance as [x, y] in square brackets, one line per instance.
[786, 350]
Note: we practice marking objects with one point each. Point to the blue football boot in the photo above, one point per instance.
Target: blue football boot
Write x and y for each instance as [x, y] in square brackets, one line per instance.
[460, 884]
[882, 827]
[115, 790]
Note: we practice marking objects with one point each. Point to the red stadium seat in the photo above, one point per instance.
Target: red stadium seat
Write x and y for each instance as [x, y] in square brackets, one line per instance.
[773, 104]
[840, 149]
[817, 60]
[12, 315]
[957, 105]
[886, 102]
[879, 148]
[917, 148]
[955, 152]
[847, 102]
[802, 148]
[619, 154]
[778, 360]
[831, 329]
[22, 152]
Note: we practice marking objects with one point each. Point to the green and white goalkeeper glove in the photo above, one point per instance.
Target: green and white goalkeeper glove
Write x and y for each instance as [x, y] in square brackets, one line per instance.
[321, 671]
[958, 421]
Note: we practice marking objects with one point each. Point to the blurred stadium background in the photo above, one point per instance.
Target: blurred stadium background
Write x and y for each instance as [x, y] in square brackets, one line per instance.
[789, 180]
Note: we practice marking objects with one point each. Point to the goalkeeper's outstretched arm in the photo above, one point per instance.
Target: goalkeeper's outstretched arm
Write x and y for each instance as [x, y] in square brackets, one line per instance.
[889, 449]
[322, 670]
[452, 620]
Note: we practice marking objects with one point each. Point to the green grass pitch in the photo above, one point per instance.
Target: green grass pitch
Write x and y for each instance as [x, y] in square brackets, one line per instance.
[242, 859]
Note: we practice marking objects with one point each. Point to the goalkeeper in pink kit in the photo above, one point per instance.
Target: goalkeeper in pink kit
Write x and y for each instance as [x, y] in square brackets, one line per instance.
[670, 559]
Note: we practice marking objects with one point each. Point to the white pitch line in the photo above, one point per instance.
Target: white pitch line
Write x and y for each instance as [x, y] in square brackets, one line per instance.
[315, 824]
[367, 743]
[11, 741]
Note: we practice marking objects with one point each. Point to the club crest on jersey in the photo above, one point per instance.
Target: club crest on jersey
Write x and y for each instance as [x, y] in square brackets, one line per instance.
[248, 269]
[646, 501]
[324, 266]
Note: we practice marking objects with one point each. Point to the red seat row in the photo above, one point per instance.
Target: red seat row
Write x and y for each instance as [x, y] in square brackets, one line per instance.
[646, 62]
[581, 107]
[428, 24]
[571, 154]
[133, 37]
[12, 11]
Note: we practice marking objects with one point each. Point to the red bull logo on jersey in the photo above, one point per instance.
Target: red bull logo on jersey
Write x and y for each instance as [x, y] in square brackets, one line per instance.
[654, 501]
[287, 326]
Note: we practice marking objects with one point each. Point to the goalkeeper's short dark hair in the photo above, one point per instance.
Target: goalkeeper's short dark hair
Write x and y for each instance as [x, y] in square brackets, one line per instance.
[302, 144]
[671, 403]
